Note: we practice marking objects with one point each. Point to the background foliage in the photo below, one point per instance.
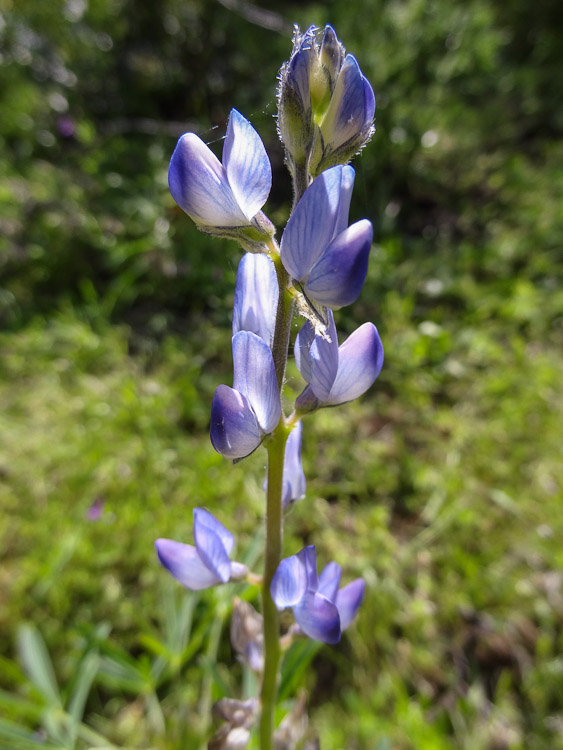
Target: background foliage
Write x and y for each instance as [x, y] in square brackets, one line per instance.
[442, 487]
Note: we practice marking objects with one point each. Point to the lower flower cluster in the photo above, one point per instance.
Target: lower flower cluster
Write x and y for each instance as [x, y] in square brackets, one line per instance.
[322, 610]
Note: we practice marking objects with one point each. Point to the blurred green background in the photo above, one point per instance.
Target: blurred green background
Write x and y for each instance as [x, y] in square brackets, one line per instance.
[442, 486]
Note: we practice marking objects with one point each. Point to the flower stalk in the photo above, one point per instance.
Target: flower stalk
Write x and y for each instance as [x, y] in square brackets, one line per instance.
[274, 515]
[272, 558]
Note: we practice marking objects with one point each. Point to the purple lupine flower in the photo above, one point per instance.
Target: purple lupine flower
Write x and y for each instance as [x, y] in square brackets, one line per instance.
[326, 105]
[336, 374]
[321, 609]
[324, 255]
[208, 562]
[293, 482]
[256, 297]
[221, 198]
[242, 415]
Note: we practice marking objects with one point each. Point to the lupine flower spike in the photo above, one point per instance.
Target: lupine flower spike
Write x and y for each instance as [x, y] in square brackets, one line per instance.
[325, 116]
[225, 199]
[321, 610]
[206, 564]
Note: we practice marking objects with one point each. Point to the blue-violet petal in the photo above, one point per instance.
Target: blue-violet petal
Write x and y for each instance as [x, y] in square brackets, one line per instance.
[289, 583]
[184, 563]
[247, 165]
[348, 601]
[317, 357]
[338, 276]
[329, 581]
[255, 378]
[311, 226]
[199, 185]
[256, 296]
[203, 517]
[211, 549]
[234, 430]
[308, 557]
[318, 618]
[360, 359]
[293, 475]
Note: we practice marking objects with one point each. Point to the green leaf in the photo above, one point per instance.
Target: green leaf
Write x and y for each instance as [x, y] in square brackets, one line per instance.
[18, 706]
[37, 663]
[295, 664]
[120, 672]
[88, 669]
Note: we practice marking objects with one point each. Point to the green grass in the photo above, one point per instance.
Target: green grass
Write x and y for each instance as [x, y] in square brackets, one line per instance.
[441, 487]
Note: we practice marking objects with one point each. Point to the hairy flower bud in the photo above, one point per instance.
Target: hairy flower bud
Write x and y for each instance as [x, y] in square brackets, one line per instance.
[325, 104]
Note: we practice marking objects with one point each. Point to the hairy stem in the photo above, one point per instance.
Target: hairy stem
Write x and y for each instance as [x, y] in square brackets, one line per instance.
[301, 181]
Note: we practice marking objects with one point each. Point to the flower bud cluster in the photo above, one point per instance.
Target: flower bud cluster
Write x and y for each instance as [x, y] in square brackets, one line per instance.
[325, 104]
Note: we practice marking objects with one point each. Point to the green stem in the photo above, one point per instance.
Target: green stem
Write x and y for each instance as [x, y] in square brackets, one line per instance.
[274, 517]
[283, 321]
[301, 182]
[273, 551]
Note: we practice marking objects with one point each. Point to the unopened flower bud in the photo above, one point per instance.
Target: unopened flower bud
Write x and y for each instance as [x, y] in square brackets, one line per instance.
[347, 124]
[326, 105]
[295, 114]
